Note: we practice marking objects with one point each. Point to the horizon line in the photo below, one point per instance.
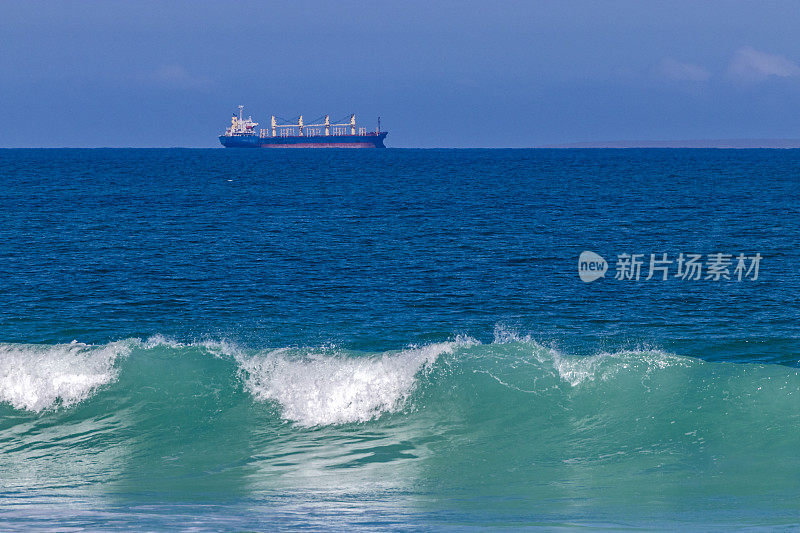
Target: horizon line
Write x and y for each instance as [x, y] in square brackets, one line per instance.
[724, 143]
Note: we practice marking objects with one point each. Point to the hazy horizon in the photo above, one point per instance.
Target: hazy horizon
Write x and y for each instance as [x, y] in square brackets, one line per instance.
[444, 74]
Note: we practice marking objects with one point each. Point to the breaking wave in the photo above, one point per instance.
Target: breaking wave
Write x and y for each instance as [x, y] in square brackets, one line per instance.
[328, 386]
[216, 416]
[38, 377]
[315, 388]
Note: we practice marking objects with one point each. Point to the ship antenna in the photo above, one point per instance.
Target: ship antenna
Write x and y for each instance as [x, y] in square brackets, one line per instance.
[379, 124]
[240, 112]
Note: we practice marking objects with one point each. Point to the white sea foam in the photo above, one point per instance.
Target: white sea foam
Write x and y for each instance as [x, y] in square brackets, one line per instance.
[38, 377]
[316, 389]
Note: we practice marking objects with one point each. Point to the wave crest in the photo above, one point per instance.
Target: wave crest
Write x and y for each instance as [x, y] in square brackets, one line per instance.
[322, 386]
[39, 377]
[316, 389]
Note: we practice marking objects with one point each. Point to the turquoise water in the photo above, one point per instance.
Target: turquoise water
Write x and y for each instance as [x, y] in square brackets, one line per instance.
[229, 340]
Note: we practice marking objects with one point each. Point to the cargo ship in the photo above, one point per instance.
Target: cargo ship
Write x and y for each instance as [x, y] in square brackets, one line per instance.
[244, 133]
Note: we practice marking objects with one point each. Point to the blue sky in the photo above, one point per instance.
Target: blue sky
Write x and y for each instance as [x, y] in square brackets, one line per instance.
[449, 74]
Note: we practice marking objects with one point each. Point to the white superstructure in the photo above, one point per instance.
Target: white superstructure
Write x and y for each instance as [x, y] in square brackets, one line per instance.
[241, 126]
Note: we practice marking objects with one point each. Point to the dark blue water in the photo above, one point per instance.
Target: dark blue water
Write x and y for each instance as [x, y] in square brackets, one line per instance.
[396, 338]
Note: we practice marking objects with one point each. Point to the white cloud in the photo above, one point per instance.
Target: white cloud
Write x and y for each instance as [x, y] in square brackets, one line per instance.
[750, 64]
[676, 70]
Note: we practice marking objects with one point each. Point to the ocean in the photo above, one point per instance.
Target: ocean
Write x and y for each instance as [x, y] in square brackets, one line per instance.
[399, 339]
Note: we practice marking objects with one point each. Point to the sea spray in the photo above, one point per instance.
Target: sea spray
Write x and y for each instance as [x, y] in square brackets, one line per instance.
[316, 389]
[38, 377]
